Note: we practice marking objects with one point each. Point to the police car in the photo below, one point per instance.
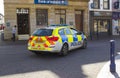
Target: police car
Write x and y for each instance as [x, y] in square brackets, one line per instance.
[56, 39]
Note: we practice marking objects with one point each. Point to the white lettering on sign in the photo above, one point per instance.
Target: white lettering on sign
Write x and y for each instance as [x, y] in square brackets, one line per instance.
[52, 2]
[75, 43]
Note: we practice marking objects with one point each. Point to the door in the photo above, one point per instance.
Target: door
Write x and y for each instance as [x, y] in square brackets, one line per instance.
[79, 20]
[23, 21]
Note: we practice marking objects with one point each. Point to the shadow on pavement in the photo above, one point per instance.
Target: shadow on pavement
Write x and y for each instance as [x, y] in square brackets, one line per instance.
[18, 60]
[116, 75]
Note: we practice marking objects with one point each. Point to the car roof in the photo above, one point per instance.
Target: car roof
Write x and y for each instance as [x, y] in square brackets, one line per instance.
[54, 27]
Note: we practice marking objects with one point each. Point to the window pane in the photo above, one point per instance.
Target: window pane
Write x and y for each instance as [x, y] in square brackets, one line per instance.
[74, 31]
[41, 17]
[106, 4]
[62, 19]
[43, 32]
[67, 31]
[61, 32]
[57, 20]
[96, 4]
[60, 16]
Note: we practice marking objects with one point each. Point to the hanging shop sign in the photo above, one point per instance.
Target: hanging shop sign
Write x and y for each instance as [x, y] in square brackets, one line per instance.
[54, 2]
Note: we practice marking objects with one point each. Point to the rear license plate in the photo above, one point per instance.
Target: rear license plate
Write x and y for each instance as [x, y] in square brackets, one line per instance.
[39, 48]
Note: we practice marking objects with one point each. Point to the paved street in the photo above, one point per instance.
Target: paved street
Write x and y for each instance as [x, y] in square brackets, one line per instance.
[17, 62]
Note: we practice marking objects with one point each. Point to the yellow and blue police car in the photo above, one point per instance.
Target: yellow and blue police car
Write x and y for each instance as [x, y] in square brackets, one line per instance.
[56, 39]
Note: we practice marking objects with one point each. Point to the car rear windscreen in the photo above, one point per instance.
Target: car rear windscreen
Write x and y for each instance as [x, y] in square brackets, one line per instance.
[43, 32]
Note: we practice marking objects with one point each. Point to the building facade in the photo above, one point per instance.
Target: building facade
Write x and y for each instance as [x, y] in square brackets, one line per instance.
[116, 17]
[1, 19]
[31, 14]
[100, 18]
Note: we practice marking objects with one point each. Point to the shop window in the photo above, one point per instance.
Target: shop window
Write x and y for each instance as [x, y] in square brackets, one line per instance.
[60, 16]
[106, 4]
[41, 17]
[96, 4]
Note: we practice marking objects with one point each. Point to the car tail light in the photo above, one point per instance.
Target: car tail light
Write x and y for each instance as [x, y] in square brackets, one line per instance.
[53, 38]
[31, 38]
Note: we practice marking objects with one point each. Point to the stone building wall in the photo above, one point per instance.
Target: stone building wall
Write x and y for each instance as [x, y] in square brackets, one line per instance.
[11, 17]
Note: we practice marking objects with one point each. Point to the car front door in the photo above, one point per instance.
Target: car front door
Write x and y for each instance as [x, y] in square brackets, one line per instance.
[77, 38]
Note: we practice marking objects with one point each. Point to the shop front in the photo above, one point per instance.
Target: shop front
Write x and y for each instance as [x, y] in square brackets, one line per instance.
[29, 15]
[116, 17]
[101, 24]
[116, 23]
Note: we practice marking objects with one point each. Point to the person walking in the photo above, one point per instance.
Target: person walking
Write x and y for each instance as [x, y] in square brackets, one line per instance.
[13, 33]
[117, 29]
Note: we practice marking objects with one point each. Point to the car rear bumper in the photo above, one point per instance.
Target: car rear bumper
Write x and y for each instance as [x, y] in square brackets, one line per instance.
[53, 48]
[44, 50]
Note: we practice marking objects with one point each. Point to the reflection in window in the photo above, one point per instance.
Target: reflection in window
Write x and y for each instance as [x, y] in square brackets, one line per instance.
[43, 32]
[61, 32]
[96, 4]
[67, 31]
[41, 17]
[60, 16]
[74, 31]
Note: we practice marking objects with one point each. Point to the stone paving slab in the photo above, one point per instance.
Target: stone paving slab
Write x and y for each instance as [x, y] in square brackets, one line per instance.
[105, 71]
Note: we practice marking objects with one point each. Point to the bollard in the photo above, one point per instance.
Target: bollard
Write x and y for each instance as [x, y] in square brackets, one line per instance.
[112, 56]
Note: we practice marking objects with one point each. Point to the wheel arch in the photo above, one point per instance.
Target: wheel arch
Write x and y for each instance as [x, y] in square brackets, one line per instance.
[67, 44]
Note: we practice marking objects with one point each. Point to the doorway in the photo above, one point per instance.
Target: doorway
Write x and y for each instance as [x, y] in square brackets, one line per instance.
[23, 21]
[79, 20]
[102, 27]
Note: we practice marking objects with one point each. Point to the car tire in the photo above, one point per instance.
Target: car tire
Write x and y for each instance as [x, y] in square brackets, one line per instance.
[35, 52]
[64, 50]
[84, 46]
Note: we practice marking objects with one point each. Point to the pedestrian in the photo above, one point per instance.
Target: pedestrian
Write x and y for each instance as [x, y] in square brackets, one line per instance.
[13, 33]
[117, 29]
